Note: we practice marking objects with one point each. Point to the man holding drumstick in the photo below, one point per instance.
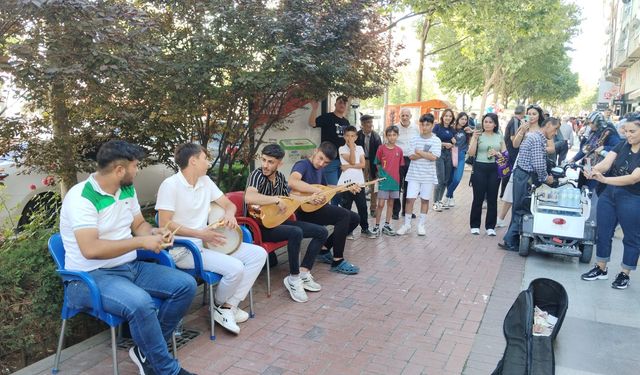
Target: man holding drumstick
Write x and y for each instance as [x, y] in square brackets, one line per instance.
[183, 204]
[101, 227]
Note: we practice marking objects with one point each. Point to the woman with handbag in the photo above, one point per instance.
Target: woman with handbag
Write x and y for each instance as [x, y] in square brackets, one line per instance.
[444, 165]
[486, 145]
[462, 136]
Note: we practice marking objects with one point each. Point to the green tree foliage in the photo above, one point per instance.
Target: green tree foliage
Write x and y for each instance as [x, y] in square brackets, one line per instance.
[158, 73]
[507, 44]
[75, 60]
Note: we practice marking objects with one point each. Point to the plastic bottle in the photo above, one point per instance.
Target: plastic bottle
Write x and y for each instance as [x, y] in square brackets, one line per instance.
[563, 199]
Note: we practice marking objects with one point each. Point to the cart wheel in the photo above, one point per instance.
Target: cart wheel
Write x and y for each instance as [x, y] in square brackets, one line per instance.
[587, 251]
[523, 250]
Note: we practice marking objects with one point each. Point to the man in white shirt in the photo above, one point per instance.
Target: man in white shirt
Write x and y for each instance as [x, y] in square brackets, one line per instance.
[97, 219]
[566, 129]
[407, 132]
[183, 204]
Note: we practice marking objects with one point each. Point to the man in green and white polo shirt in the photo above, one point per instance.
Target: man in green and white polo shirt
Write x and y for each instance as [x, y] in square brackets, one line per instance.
[101, 228]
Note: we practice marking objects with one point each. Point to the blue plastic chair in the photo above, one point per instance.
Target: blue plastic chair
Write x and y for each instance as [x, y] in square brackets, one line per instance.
[209, 278]
[56, 249]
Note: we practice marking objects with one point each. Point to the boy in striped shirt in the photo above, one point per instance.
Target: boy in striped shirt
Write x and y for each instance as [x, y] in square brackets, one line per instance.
[421, 176]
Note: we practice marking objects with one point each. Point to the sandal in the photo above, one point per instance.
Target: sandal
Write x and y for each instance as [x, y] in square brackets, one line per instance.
[325, 258]
[346, 268]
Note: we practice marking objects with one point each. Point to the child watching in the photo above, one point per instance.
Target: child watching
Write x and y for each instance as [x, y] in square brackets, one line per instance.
[421, 175]
[389, 159]
[352, 165]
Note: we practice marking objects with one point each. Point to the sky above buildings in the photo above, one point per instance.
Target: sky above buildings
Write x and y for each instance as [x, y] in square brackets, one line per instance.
[589, 51]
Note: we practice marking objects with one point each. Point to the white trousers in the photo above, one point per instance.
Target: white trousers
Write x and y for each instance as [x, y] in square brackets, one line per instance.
[239, 271]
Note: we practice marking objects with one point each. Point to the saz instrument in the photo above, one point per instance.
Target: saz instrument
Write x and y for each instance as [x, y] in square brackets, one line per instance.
[270, 215]
[330, 192]
[233, 235]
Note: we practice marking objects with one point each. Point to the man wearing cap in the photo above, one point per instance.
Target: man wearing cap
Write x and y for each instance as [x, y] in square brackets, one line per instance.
[370, 141]
[332, 125]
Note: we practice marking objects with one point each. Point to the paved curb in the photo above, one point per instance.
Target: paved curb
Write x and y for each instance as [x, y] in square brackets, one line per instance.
[489, 343]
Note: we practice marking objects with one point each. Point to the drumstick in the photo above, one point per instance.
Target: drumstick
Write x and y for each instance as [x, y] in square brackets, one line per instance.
[167, 244]
[215, 225]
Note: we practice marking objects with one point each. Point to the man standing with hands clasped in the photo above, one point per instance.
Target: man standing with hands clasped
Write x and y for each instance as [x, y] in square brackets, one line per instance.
[370, 141]
[531, 163]
[407, 131]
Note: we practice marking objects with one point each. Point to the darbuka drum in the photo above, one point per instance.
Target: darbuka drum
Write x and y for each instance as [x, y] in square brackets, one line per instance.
[233, 235]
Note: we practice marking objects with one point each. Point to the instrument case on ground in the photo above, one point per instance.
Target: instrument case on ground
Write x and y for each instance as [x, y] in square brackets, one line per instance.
[526, 354]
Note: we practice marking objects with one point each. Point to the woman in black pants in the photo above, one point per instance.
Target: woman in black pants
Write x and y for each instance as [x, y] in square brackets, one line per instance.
[486, 144]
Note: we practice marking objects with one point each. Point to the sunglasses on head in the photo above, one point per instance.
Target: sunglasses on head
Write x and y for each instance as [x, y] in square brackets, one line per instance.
[534, 106]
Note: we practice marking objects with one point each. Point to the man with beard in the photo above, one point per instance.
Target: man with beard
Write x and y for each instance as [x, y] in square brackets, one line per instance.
[97, 220]
[264, 186]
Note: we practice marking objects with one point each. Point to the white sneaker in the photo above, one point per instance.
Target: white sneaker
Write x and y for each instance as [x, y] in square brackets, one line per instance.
[445, 204]
[451, 203]
[308, 283]
[296, 290]
[501, 223]
[437, 206]
[225, 317]
[240, 315]
[350, 236]
[475, 230]
[491, 232]
[421, 230]
[404, 230]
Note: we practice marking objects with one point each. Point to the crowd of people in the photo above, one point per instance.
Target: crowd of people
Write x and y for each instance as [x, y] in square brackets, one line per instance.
[102, 225]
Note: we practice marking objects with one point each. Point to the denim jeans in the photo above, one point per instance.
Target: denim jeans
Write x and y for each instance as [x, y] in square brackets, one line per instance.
[126, 291]
[332, 174]
[444, 167]
[343, 221]
[398, 204]
[456, 176]
[617, 205]
[294, 232]
[520, 180]
[361, 204]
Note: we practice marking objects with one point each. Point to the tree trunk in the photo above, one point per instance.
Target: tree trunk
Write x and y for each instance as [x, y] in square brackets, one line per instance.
[423, 42]
[62, 136]
[488, 84]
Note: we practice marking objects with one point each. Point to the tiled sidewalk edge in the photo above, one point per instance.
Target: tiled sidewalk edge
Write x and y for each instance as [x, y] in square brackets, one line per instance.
[489, 342]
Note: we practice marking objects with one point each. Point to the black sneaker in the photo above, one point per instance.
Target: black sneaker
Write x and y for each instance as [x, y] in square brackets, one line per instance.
[595, 274]
[621, 282]
[369, 233]
[185, 372]
[144, 367]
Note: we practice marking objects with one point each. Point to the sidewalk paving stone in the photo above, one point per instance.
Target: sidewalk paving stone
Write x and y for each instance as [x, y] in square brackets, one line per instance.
[421, 305]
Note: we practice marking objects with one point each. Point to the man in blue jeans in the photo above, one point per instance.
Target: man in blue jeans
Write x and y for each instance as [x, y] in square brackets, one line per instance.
[532, 163]
[97, 220]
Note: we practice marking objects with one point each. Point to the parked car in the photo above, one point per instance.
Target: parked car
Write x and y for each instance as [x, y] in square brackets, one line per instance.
[24, 192]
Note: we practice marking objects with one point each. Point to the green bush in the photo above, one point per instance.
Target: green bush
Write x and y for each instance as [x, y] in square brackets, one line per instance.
[231, 181]
[31, 297]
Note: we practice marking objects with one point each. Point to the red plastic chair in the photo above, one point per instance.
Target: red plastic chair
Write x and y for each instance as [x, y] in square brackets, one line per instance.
[237, 197]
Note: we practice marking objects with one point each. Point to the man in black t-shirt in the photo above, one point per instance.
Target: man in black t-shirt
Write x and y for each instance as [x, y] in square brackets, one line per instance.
[332, 127]
[509, 134]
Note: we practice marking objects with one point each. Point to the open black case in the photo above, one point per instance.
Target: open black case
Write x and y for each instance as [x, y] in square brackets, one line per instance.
[525, 353]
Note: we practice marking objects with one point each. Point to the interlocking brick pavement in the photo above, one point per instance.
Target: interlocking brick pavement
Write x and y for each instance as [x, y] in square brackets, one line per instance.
[415, 308]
